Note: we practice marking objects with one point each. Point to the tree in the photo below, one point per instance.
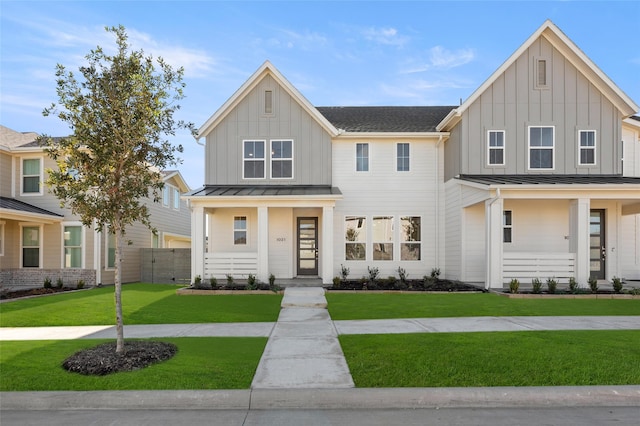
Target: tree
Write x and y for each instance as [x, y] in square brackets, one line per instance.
[120, 114]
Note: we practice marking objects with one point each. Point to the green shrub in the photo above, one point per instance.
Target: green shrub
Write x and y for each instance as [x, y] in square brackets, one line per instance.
[635, 291]
[251, 282]
[573, 285]
[514, 285]
[344, 272]
[536, 286]
[80, 284]
[373, 273]
[336, 282]
[213, 282]
[402, 274]
[552, 285]
[59, 283]
[197, 280]
[593, 284]
[229, 280]
[47, 283]
[272, 280]
[617, 285]
[435, 273]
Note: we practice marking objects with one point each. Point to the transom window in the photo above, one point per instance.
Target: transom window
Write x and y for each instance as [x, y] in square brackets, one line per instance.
[410, 237]
[402, 152]
[541, 146]
[240, 230]
[282, 159]
[31, 175]
[362, 157]
[355, 237]
[496, 148]
[31, 247]
[253, 160]
[383, 238]
[507, 226]
[73, 246]
[587, 147]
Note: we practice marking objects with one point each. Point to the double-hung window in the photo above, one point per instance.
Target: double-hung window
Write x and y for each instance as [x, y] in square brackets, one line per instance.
[355, 237]
[72, 246]
[240, 230]
[253, 160]
[176, 198]
[31, 246]
[383, 238]
[362, 157]
[282, 159]
[410, 237]
[541, 147]
[166, 193]
[31, 176]
[587, 155]
[402, 155]
[495, 155]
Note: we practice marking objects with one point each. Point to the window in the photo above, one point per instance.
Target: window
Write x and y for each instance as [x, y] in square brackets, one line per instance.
[155, 241]
[496, 148]
[383, 238]
[1, 238]
[268, 102]
[31, 175]
[111, 250]
[72, 246]
[410, 238]
[176, 199]
[355, 237]
[253, 160]
[281, 159]
[362, 157]
[541, 73]
[587, 147]
[240, 230]
[31, 246]
[402, 152]
[541, 144]
[165, 195]
[507, 226]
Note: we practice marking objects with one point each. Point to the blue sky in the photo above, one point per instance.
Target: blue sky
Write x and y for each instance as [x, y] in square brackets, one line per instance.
[334, 52]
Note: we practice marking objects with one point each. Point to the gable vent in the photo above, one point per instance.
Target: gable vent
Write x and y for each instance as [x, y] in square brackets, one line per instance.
[268, 101]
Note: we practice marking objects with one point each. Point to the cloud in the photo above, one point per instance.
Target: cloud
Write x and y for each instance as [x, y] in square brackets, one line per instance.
[387, 36]
[289, 39]
[440, 58]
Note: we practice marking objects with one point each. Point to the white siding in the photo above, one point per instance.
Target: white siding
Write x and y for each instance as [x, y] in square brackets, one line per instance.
[453, 231]
[474, 246]
[538, 225]
[631, 141]
[282, 240]
[630, 247]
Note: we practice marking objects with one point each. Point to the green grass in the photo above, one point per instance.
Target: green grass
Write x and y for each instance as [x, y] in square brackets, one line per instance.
[141, 304]
[201, 363]
[347, 306]
[531, 358]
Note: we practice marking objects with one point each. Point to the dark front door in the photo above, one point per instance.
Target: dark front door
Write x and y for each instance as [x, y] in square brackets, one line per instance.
[307, 246]
[597, 244]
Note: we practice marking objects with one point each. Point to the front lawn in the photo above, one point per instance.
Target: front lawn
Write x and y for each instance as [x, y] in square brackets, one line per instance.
[201, 363]
[530, 358]
[141, 304]
[349, 306]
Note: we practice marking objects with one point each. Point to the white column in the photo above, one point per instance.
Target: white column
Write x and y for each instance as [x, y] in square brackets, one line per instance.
[327, 245]
[579, 238]
[197, 241]
[263, 244]
[493, 227]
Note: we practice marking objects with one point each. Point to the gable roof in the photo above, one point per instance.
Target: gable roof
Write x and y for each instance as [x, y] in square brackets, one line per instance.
[404, 119]
[265, 69]
[572, 53]
[12, 139]
[176, 176]
[10, 208]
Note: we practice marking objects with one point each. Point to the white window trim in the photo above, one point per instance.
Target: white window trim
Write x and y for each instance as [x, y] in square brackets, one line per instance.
[40, 243]
[176, 198]
[593, 148]
[106, 252]
[41, 177]
[409, 156]
[159, 240]
[166, 195]
[547, 73]
[552, 147]
[246, 230]
[2, 223]
[264, 159]
[393, 241]
[489, 148]
[401, 239]
[82, 247]
[355, 157]
[505, 226]
[367, 225]
[271, 159]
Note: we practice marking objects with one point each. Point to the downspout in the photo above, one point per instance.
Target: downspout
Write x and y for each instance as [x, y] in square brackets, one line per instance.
[437, 221]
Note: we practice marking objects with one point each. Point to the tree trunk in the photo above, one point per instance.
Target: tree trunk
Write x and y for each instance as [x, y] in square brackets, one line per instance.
[118, 293]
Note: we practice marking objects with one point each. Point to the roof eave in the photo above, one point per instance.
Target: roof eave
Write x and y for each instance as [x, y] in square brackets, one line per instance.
[29, 216]
[395, 135]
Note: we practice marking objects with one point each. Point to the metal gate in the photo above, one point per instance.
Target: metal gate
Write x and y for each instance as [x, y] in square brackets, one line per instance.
[166, 266]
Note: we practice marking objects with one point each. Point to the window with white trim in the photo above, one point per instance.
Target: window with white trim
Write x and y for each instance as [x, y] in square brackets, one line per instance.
[495, 146]
[362, 157]
[155, 240]
[541, 147]
[355, 238]
[72, 246]
[410, 237]
[31, 242]
[282, 159]
[31, 176]
[383, 238]
[111, 250]
[402, 157]
[240, 230]
[587, 154]
[507, 226]
[253, 160]
[2, 238]
[166, 194]
[176, 198]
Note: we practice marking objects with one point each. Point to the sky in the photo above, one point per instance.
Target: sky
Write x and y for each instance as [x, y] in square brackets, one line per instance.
[336, 53]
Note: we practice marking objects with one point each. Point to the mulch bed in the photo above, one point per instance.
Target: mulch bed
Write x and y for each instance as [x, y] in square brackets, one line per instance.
[437, 285]
[33, 292]
[103, 359]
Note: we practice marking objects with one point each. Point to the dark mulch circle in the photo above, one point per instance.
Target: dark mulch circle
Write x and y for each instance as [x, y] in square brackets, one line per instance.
[103, 359]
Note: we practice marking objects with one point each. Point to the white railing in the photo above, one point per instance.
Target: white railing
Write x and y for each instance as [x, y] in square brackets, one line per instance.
[526, 266]
[238, 265]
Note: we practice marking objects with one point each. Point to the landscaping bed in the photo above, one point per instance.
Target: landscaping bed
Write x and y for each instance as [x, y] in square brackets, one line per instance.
[392, 284]
[16, 294]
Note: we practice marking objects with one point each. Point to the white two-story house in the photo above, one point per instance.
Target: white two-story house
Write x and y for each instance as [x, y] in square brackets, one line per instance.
[536, 175]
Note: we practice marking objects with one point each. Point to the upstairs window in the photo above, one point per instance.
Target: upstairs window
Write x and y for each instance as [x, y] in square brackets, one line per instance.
[165, 195]
[541, 148]
[31, 175]
[281, 159]
[240, 230]
[253, 160]
[176, 199]
[402, 155]
[362, 157]
[495, 155]
[587, 155]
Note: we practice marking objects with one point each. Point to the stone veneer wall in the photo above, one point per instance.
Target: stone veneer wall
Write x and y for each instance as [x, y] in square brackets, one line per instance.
[22, 279]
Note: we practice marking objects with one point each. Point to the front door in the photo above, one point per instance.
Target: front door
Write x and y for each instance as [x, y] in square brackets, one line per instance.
[597, 244]
[307, 246]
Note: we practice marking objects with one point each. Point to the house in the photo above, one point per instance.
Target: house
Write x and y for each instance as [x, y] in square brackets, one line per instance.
[525, 179]
[39, 239]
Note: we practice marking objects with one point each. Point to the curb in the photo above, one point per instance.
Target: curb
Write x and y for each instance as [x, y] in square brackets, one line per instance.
[365, 398]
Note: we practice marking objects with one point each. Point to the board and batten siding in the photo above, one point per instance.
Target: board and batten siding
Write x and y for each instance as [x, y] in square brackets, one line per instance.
[631, 141]
[289, 121]
[383, 191]
[513, 103]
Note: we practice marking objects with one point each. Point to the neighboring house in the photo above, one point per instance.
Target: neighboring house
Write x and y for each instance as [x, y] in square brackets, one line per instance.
[523, 180]
[39, 239]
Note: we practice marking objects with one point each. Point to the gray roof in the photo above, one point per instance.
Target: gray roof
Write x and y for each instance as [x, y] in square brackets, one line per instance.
[13, 204]
[264, 190]
[551, 179]
[386, 118]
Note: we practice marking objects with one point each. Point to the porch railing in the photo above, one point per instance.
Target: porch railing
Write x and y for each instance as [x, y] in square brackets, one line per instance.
[526, 266]
[238, 265]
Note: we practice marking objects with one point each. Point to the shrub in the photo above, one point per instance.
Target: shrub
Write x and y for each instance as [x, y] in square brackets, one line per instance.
[251, 282]
[213, 282]
[635, 291]
[80, 284]
[229, 280]
[197, 280]
[536, 285]
[552, 285]
[593, 284]
[344, 272]
[514, 285]
[59, 283]
[435, 273]
[272, 280]
[373, 273]
[336, 282]
[47, 283]
[391, 281]
[402, 273]
[617, 285]
[573, 285]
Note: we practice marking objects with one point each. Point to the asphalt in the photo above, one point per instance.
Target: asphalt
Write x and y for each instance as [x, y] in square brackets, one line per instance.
[303, 366]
